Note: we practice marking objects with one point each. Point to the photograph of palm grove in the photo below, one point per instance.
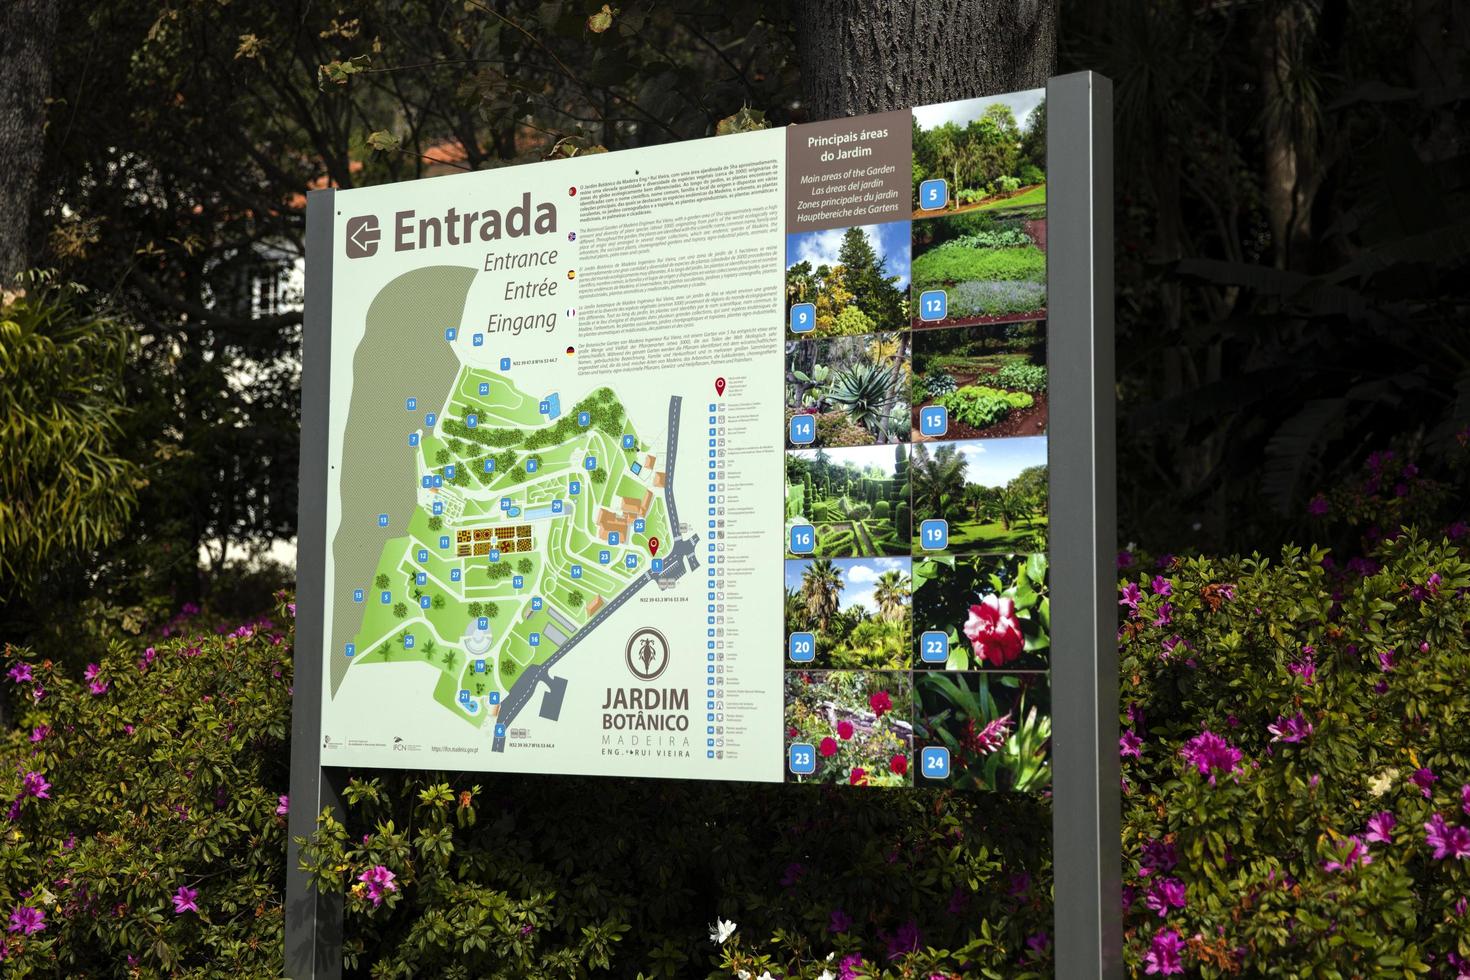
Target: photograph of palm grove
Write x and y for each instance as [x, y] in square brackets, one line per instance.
[993, 612]
[991, 152]
[997, 728]
[857, 279]
[855, 388]
[857, 610]
[856, 722]
[856, 499]
[992, 492]
[990, 379]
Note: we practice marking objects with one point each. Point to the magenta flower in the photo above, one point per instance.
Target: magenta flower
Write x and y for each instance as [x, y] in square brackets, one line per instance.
[98, 688]
[1293, 729]
[1385, 660]
[90, 674]
[1306, 666]
[905, 939]
[1129, 744]
[850, 967]
[1465, 798]
[39, 733]
[1317, 506]
[284, 806]
[20, 673]
[1161, 586]
[1131, 597]
[26, 920]
[1355, 854]
[1163, 954]
[184, 900]
[378, 881]
[1448, 841]
[34, 784]
[839, 921]
[1164, 894]
[1158, 855]
[1424, 778]
[1380, 828]
[1166, 614]
[1209, 753]
[844, 729]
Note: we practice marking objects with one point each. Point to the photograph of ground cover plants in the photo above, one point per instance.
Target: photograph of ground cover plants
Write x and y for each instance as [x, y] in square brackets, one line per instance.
[992, 610]
[997, 728]
[857, 279]
[857, 610]
[993, 493]
[991, 153]
[857, 723]
[855, 388]
[992, 269]
[856, 499]
[990, 379]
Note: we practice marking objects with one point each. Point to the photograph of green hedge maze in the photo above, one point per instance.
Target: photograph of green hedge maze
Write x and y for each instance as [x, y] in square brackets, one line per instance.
[991, 152]
[856, 279]
[856, 499]
[856, 722]
[992, 493]
[997, 728]
[981, 612]
[855, 388]
[992, 269]
[990, 379]
[856, 609]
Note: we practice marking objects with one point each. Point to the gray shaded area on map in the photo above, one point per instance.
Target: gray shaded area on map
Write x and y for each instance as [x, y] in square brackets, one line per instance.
[551, 700]
[403, 353]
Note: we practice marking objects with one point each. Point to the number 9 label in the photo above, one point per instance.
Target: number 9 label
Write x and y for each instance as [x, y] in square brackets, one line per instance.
[803, 317]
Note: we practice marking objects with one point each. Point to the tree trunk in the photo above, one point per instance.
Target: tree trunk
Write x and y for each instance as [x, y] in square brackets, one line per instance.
[861, 56]
[27, 33]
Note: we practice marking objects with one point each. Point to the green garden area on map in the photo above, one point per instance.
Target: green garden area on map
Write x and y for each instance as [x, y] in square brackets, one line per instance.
[543, 516]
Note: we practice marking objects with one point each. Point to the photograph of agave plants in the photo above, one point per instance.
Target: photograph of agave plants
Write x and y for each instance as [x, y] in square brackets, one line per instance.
[993, 611]
[855, 388]
[857, 278]
[855, 498]
[997, 728]
[992, 492]
[857, 610]
[857, 723]
[990, 379]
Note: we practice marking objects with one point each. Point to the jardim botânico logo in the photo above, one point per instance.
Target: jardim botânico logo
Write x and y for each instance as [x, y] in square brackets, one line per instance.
[454, 227]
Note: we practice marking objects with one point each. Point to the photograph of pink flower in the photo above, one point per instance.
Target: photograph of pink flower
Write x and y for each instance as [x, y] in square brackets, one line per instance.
[855, 721]
[981, 612]
[997, 728]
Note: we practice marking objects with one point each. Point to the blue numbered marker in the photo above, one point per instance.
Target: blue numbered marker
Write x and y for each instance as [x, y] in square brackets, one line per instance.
[426, 482]
[438, 480]
[385, 597]
[449, 472]
[535, 639]
[478, 340]
[454, 575]
[422, 578]
[934, 762]
[590, 463]
[423, 554]
[576, 571]
[411, 404]
[934, 647]
[382, 520]
[483, 623]
[505, 503]
[933, 194]
[639, 525]
[803, 317]
[604, 557]
[495, 699]
[494, 554]
[803, 430]
[479, 666]
[934, 534]
[438, 507]
[627, 442]
[423, 602]
[443, 540]
[544, 407]
[631, 561]
[484, 387]
[500, 731]
[505, 364]
[430, 418]
[489, 466]
[350, 650]
[575, 487]
[803, 539]
[933, 304]
[556, 506]
[532, 465]
[536, 603]
[464, 696]
[584, 419]
[471, 420]
[450, 333]
[657, 564]
[517, 581]
[357, 595]
[413, 438]
[613, 537]
[801, 648]
[801, 759]
[408, 642]
[933, 420]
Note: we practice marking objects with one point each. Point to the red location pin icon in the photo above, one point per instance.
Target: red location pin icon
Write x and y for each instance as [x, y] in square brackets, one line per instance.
[719, 386]
[653, 547]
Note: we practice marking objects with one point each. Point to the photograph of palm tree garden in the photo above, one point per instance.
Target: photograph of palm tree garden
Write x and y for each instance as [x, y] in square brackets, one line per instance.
[856, 279]
[990, 379]
[856, 723]
[856, 609]
[986, 246]
[856, 500]
[855, 388]
[992, 493]
[997, 728]
[981, 612]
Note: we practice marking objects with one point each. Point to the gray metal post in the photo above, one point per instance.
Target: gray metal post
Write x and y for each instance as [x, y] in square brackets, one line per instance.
[313, 918]
[1086, 847]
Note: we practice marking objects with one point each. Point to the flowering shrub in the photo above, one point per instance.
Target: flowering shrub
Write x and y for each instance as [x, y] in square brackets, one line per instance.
[849, 717]
[145, 832]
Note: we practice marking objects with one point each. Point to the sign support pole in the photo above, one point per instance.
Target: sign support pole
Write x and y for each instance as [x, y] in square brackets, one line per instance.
[313, 918]
[1087, 817]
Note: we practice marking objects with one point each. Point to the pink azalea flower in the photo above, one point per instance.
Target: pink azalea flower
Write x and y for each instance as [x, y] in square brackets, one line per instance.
[91, 672]
[1131, 597]
[284, 806]
[34, 784]
[20, 673]
[994, 631]
[1448, 841]
[1380, 828]
[1161, 586]
[1293, 729]
[98, 688]
[379, 881]
[1130, 745]
[26, 920]
[839, 921]
[1166, 893]
[1357, 855]
[1209, 753]
[1424, 778]
[39, 733]
[184, 900]
[1158, 855]
[1163, 955]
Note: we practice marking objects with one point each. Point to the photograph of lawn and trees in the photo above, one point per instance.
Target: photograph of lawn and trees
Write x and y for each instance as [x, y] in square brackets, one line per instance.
[993, 612]
[857, 610]
[857, 723]
[997, 728]
[993, 493]
[857, 279]
[856, 499]
[991, 152]
[992, 380]
[855, 388]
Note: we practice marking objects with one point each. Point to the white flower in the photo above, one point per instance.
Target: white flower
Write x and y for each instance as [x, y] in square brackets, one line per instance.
[743, 974]
[765, 975]
[825, 975]
[722, 930]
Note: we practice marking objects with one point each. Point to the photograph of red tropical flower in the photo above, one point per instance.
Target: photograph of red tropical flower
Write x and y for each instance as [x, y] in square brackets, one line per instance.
[993, 612]
[997, 728]
[848, 716]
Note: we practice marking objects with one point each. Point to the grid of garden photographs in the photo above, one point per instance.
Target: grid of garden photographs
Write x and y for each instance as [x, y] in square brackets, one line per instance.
[917, 611]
